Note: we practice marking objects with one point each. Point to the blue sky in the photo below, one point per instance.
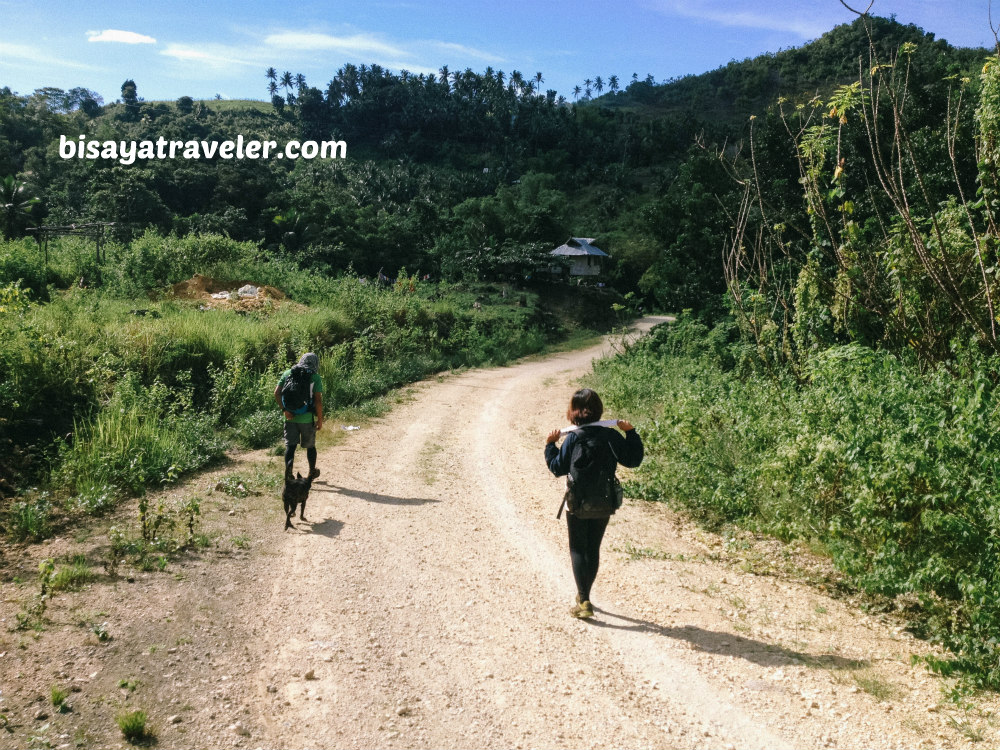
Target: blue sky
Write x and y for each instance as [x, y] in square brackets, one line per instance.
[173, 49]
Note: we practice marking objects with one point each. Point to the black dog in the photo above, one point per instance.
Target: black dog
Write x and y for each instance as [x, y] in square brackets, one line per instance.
[295, 492]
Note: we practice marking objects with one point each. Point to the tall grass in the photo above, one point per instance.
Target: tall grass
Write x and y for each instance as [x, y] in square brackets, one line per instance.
[107, 391]
[895, 471]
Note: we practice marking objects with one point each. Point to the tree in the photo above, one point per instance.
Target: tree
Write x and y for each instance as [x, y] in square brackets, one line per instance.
[599, 85]
[131, 100]
[16, 205]
[272, 80]
[576, 91]
[185, 105]
[613, 84]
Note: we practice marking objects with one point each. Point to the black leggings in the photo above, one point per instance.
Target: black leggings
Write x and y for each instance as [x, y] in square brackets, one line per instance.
[585, 535]
[290, 458]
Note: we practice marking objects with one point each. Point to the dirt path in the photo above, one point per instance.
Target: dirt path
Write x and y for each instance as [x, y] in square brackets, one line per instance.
[425, 604]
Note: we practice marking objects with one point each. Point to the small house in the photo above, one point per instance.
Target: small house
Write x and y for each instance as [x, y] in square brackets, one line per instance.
[586, 259]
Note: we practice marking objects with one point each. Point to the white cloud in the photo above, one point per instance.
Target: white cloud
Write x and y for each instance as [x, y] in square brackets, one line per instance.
[117, 35]
[216, 56]
[461, 49]
[779, 18]
[21, 54]
[357, 44]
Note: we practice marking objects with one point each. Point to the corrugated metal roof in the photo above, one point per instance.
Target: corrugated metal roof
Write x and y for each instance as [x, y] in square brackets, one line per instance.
[579, 246]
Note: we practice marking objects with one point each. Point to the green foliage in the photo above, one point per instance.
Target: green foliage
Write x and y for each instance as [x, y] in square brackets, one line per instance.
[233, 485]
[133, 726]
[30, 520]
[72, 575]
[59, 696]
[260, 429]
[146, 435]
[119, 394]
[893, 469]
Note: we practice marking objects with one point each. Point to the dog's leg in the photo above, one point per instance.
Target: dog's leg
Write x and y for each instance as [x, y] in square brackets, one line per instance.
[302, 510]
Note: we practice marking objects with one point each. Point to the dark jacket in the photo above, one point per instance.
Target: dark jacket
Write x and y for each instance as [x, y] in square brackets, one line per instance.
[627, 449]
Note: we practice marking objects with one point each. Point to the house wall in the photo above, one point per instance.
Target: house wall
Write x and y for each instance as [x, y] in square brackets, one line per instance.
[587, 265]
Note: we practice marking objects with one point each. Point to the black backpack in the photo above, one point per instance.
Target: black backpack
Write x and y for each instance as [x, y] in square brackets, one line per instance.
[592, 489]
[296, 393]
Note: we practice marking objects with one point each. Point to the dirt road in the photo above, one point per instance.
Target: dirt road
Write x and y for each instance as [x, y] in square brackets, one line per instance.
[425, 604]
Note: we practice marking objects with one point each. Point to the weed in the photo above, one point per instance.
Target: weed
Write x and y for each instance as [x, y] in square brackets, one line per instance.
[72, 576]
[133, 726]
[233, 485]
[131, 685]
[875, 686]
[260, 430]
[33, 613]
[819, 609]
[59, 697]
[971, 732]
[241, 542]
[30, 521]
[100, 630]
[645, 553]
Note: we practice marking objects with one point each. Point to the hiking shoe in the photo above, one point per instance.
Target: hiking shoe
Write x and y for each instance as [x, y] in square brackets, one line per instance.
[313, 472]
[582, 611]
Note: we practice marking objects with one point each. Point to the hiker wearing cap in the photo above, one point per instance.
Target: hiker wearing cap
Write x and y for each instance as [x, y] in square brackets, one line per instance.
[299, 393]
[588, 458]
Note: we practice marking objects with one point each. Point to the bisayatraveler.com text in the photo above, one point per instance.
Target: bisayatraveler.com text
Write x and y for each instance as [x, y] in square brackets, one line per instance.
[128, 152]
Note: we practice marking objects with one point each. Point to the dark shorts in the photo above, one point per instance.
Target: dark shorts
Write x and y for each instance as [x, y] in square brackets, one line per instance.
[300, 433]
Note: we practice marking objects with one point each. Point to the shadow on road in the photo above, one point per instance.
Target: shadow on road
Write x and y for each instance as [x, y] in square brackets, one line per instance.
[712, 642]
[329, 528]
[372, 497]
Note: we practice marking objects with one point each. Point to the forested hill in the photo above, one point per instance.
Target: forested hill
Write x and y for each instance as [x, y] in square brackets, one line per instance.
[456, 174]
[734, 92]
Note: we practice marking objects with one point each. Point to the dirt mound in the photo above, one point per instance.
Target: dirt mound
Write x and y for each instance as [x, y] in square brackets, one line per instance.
[217, 293]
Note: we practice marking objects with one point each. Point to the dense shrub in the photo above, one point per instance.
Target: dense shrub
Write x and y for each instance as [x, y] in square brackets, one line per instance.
[107, 394]
[895, 471]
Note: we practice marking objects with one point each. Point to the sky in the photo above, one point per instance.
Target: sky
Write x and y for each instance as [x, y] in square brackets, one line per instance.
[173, 49]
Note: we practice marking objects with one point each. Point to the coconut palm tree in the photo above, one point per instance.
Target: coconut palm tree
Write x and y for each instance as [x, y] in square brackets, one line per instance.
[576, 91]
[15, 204]
[272, 76]
[613, 84]
[599, 85]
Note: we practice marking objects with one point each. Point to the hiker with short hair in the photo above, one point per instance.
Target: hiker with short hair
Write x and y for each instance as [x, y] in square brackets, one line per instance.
[589, 456]
[299, 393]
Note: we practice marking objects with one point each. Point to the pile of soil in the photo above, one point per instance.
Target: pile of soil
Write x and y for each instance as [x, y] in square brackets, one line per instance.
[202, 288]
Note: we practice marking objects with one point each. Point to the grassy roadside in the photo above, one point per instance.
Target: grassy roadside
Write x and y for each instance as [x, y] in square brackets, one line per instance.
[107, 394]
[889, 470]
